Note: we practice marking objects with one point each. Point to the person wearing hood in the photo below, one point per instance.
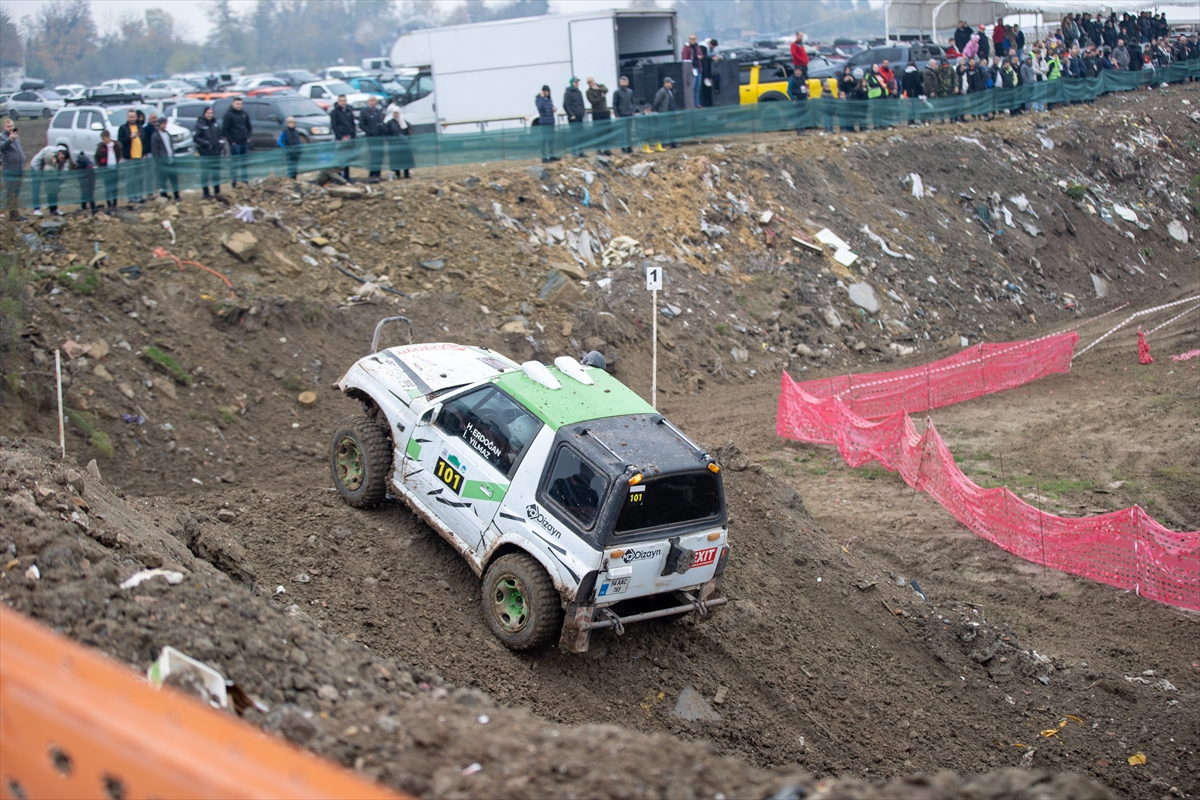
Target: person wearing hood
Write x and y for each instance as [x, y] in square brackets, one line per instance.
[972, 48]
[400, 158]
[910, 81]
[985, 51]
[1028, 76]
[210, 144]
[574, 109]
[545, 123]
[50, 159]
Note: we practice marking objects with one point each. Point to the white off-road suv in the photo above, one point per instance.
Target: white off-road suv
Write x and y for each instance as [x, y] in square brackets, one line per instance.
[581, 507]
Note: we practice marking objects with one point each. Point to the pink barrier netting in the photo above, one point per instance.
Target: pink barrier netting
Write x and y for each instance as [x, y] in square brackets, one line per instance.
[972, 372]
[1127, 549]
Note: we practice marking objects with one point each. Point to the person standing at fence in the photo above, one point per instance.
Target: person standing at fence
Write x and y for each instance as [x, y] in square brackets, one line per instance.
[12, 168]
[574, 109]
[341, 121]
[52, 168]
[210, 145]
[108, 157]
[41, 161]
[697, 55]
[800, 56]
[86, 176]
[289, 141]
[962, 35]
[597, 97]
[237, 130]
[370, 119]
[545, 123]
[664, 103]
[396, 132]
[164, 161]
[1120, 56]
[623, 109]
[133, 148]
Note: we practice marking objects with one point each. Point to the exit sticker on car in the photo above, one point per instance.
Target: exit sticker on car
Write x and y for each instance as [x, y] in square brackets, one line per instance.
[705, 557]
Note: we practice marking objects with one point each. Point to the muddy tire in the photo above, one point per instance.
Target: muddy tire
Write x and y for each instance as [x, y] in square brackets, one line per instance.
[520, 603]
[360, 457]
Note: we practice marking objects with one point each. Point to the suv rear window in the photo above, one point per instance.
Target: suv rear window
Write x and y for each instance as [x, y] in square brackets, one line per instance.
[671, 500]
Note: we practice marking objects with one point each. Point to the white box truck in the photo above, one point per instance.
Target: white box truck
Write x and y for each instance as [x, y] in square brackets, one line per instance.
[485, 75]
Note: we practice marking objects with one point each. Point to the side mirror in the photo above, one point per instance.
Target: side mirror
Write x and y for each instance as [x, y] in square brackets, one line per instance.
[430, 415]
[97, 126]
[274, 118]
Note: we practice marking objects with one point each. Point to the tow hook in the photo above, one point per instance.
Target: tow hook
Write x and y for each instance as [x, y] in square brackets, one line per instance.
[679, 559]
[701, 609]
[607, 613]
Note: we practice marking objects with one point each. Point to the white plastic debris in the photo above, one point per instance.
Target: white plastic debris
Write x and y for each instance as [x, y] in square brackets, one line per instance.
[173, 577]
[1008, 219]
[245, 213]
[845, 257]
[883, 245]
[787, 178]
[171, 661]
[918, 188]
[1046, 141]
[166, 223]
[1177, 231]
[765, 217]
[33, 573]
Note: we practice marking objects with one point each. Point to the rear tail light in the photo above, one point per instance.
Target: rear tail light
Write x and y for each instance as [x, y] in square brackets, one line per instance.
[721, 561]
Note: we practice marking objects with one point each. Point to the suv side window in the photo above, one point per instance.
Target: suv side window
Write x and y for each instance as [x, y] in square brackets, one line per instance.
[63, 120]
[263, 111]
[491, 424]
[575, 486]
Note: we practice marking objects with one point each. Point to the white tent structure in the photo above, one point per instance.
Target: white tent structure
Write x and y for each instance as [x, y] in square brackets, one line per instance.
[938, 18]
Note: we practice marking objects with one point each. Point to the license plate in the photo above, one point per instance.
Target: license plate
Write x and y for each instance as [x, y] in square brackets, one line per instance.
[613, 587]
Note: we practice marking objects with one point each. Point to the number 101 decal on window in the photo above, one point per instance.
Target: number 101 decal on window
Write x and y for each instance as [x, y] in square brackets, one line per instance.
[449, 475]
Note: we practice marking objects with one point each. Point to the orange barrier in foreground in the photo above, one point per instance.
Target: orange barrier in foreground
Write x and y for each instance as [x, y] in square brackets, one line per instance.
[75, 724]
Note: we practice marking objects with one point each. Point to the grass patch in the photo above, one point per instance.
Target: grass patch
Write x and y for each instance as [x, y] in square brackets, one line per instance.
[14, 313]
[169, 365]
[1148, 253]
[818, 470]
[228, 414]
[1047, 486]
[872, 472]
[1162, 401]
[1076, 192]
[1180, 474]
[294, 383]
[86, 423]
[81, 278]
[723, 329]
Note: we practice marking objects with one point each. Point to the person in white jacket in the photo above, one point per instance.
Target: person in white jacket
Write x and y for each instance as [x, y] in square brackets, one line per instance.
[52, 158]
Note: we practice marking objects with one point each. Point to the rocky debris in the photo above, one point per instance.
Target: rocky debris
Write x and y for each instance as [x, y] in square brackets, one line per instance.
[242, 244]
[1177, 231]
[863, 296]
[352, 192]
[560, 290]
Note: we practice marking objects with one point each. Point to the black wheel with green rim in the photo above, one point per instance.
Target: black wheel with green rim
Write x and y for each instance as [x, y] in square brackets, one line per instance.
[360, 457]
[520, 602]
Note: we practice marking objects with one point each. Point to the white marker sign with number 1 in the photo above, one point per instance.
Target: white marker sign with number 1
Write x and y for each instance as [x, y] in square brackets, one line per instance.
[654, 278]
[654, 282]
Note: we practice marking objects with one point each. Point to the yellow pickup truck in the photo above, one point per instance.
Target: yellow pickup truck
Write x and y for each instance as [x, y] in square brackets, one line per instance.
[765, 83]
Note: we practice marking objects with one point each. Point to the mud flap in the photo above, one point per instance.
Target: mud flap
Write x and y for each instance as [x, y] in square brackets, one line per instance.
[575, 634]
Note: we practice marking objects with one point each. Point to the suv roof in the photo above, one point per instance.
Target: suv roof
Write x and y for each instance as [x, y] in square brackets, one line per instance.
[575, 401]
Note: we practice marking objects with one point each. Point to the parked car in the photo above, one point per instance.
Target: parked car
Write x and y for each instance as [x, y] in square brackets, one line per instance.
[342, 73]
[897, 54]
[822, 67]
[186, 112]
[297, 77]
[4, 102]
[328, 91]
[269, 113]
[42, 103]
[264, 91]
[78, 127]
[256, 81]
[368, 85]
[122, 86]
[69, 90]
[168, 88]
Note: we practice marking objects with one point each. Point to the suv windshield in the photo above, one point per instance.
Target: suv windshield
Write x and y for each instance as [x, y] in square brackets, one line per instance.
[670, 500]
[298, 107]
[337, 87]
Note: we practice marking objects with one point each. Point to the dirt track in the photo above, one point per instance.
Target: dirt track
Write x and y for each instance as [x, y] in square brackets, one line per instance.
[819, 672]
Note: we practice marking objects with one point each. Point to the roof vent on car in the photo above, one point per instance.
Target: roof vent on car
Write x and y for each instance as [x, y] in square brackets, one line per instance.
[573, 369]
[537, 372]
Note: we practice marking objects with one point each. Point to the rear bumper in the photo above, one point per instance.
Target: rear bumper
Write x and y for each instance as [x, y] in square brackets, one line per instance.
[581, 620]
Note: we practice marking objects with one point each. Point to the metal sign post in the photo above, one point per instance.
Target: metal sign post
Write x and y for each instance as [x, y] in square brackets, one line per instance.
[654, 282]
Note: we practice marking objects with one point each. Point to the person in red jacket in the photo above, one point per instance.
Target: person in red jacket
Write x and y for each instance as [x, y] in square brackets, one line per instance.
[889, 79]
[998, 36]
[800, 56]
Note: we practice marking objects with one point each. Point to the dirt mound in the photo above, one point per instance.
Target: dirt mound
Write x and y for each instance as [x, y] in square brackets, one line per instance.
[334, 695]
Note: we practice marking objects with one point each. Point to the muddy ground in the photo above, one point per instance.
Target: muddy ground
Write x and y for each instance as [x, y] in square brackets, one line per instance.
[826, 663]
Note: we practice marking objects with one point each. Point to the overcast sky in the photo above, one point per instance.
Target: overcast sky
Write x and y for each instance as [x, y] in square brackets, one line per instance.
[190, 14]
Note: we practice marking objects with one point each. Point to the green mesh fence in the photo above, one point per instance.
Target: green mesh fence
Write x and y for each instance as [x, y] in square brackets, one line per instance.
[146, 177]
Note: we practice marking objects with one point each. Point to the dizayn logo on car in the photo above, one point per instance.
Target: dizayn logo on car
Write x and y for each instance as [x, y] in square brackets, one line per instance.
[632, 555]
[535, 515]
